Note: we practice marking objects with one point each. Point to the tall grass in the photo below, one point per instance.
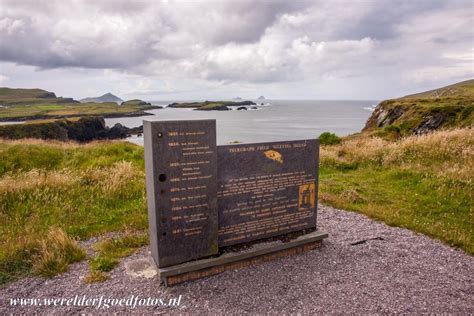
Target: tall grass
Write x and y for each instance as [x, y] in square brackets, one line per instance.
[420, 182]
[446, 154]
[56, 252]
[84, 190]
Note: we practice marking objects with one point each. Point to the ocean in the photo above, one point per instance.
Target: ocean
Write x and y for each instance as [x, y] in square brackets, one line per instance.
[276, 120]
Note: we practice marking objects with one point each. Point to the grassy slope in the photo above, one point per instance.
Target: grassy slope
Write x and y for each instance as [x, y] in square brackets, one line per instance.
[456, 102]
[68, 109]
[85, 190]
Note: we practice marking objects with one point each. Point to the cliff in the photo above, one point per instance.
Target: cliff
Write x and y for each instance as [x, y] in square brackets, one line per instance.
[447, 107]
[82, 130]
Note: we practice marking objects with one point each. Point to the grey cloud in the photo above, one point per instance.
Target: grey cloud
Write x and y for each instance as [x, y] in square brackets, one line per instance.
[236, 41]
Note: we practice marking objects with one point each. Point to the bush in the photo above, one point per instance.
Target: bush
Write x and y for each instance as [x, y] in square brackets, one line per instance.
[392, 128]
[328, 138]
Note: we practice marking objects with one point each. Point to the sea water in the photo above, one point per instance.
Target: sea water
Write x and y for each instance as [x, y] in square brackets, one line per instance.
[276, 120]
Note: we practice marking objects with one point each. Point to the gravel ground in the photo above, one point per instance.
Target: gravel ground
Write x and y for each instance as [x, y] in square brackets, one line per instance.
[397, 271]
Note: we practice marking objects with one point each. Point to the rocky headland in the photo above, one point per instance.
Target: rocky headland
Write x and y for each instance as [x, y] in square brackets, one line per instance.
[447, 107]
[82, 130]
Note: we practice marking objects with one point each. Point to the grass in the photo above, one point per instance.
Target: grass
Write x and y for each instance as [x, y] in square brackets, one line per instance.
[68, 109]
[85, 190]
[422, 183]
[110, 251]
[55, 253]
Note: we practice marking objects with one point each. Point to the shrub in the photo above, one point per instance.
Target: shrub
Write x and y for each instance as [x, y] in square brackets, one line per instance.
[328, 138]
[392, 128]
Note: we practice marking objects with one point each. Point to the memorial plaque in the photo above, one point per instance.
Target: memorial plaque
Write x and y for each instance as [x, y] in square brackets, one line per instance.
[181, 172]
[266, 189]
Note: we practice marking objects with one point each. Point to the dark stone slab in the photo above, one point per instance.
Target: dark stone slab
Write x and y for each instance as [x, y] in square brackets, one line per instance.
[181, 174]
[266, 189]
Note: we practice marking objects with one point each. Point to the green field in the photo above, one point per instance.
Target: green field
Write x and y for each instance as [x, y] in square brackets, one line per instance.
[30, 112]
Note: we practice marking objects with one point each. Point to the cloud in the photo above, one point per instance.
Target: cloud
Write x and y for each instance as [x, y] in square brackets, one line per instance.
[242, 41]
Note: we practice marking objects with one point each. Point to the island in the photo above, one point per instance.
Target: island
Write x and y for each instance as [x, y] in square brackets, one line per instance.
[108, 97]
[211, 105]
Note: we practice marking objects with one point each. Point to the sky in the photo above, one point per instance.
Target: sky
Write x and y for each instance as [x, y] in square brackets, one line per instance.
[208, 50]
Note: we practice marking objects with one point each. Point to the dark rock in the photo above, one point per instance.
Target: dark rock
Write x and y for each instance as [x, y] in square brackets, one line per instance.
[117, 131]
[66, 100]
[47, 95]
[241, 108]
[214, 108]
[387, 118]
[431, 124]
[240, 103]
[254, 108]
[136, 130]
[87, 129]
[83, 130]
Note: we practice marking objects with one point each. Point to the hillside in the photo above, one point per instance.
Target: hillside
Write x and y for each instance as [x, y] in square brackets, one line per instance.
[34, 104]
[447, 107]
[108, 97]
[16, 97]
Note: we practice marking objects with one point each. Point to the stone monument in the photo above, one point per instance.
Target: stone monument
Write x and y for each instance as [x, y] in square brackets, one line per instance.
[207, 202]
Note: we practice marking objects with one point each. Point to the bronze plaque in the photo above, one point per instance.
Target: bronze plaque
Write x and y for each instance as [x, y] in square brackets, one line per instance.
[181, 174]
[266, 189]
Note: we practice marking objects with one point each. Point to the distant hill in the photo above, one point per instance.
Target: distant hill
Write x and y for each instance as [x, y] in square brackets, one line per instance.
[261, 97]
[460, 89]
[108, 97]
[19, 97]
[446, 107]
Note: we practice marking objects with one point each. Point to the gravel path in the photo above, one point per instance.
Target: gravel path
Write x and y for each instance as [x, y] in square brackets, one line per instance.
[396, 272]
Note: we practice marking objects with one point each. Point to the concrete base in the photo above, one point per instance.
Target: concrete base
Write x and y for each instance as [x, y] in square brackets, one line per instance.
[236, 260]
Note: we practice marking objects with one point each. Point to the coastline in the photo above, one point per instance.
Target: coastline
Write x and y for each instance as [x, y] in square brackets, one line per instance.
[105, 115]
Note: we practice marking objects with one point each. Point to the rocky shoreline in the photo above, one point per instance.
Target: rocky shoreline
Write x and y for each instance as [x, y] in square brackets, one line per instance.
[83, 130]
